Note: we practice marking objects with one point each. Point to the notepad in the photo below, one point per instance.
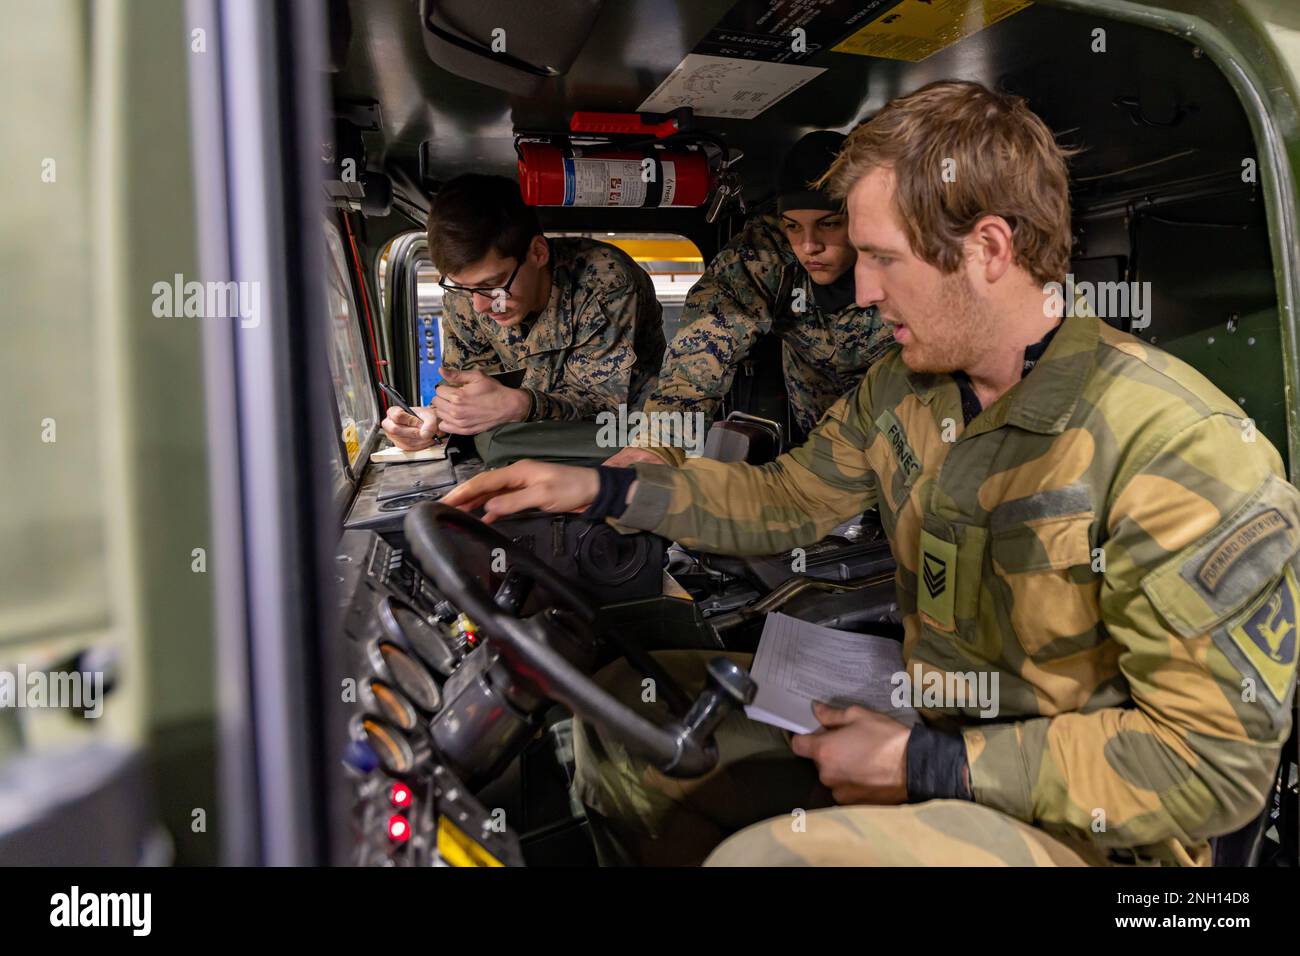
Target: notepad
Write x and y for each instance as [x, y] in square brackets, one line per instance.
[393, 454]
[798, 662]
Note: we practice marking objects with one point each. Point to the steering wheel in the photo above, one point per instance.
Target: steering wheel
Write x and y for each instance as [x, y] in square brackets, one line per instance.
[682, 746]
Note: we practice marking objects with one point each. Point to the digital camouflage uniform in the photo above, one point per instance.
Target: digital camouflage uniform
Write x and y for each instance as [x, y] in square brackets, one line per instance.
[755, 285]
[597, 344]
[1111, 538]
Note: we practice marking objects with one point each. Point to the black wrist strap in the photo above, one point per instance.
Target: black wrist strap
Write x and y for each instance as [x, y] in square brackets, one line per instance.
[611, 499]
[936, 764]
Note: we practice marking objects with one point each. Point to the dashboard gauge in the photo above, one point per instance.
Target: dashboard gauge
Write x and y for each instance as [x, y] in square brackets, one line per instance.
[411, 676]
[395, 753]
[409, 628]
[388, 701]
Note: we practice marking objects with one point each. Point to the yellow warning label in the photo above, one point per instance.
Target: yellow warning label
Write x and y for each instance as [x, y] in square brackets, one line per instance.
[914, 29]
[459, 849]
[351, 440]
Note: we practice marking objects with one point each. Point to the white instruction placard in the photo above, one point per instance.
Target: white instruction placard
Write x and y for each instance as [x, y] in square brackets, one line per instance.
[726, 87]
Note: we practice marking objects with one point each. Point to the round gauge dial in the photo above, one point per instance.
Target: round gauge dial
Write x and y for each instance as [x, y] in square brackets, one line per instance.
[395, 708]
[411, 676]
[394, 750]
[408, 627]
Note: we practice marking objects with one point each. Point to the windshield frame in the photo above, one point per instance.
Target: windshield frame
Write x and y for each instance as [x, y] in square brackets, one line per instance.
[352, 471]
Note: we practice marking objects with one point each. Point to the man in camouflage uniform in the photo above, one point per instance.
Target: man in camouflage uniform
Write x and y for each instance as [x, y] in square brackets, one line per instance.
[1070, 509]
[578, 316]
[790, 274]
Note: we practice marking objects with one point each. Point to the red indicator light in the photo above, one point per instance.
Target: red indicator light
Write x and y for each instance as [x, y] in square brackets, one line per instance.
[400, 795]
[398, 829]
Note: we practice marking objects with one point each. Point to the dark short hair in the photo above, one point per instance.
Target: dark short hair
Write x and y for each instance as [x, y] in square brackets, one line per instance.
[474, 214]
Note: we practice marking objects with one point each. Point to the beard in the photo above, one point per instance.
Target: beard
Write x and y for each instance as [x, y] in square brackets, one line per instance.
[958, 329]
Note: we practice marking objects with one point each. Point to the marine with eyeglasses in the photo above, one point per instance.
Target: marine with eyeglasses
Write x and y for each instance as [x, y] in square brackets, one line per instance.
[578, 316]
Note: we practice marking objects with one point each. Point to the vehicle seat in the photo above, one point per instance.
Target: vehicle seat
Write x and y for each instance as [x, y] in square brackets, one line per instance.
[742, 437]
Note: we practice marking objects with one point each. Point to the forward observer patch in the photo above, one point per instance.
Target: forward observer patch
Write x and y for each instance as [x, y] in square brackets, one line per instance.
[1222, 559]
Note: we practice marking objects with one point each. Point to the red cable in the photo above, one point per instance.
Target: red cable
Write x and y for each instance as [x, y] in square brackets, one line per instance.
[365, 303]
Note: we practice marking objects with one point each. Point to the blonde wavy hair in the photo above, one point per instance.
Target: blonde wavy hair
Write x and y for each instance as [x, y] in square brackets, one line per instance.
[960, 152]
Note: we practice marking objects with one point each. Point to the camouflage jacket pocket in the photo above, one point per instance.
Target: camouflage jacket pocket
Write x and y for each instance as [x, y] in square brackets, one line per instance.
[1044, 585]
[579, 365]
[1210, 580]
[812, 341]
[1043, 544]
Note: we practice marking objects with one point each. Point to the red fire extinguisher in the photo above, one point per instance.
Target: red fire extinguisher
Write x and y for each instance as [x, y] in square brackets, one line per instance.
[636, 171]
[555, 175]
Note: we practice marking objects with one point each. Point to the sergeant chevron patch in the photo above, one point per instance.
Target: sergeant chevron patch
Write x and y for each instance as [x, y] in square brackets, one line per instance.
[938, 566]
[935, 576]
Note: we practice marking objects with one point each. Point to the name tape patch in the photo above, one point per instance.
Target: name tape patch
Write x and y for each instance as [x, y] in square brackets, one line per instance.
[897, 438]
[1223, 558]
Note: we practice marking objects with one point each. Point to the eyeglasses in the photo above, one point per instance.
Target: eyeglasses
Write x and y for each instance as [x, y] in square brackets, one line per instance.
[490, 290]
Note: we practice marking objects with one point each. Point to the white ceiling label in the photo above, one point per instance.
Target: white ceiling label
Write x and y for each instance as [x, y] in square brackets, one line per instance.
[725, 87]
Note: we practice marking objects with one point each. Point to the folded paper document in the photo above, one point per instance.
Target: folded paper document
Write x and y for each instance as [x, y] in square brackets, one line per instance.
[798, 662]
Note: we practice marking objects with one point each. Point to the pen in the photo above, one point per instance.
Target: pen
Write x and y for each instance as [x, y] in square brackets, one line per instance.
[396, 396]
